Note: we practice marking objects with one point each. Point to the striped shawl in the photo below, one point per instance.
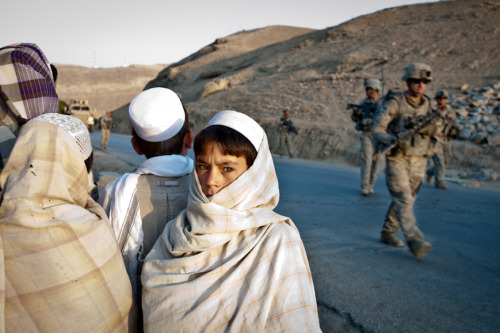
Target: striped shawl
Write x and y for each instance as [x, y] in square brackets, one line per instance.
[229, 263]
[60, 267]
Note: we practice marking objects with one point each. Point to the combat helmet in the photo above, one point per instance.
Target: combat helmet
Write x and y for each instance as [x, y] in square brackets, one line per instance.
[374, 84]
[418, 71]
[442, 93]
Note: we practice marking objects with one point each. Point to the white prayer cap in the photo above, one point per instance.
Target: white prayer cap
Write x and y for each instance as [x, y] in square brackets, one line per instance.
[156, 114]
[241, 123]
[73, 126]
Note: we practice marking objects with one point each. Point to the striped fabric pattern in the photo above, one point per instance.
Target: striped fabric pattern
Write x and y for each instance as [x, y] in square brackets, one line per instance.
[26, 89]
[60, 266]
[229, 263]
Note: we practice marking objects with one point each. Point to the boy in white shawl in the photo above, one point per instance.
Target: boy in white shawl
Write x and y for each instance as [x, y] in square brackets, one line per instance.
[229, 262]
[140, 204]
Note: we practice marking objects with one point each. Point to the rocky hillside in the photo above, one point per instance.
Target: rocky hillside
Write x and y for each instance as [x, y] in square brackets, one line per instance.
[317, 72]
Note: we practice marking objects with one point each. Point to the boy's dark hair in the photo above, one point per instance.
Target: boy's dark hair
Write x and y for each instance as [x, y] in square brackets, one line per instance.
[171, 146]
[231, 142]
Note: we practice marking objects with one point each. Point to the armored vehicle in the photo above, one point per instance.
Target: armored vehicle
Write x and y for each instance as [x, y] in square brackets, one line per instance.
[83, 111]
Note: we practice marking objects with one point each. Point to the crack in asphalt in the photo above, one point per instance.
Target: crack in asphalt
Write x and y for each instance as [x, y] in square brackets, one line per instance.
[345, 316]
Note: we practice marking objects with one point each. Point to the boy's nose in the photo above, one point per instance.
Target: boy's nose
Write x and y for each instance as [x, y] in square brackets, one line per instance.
[212, 178]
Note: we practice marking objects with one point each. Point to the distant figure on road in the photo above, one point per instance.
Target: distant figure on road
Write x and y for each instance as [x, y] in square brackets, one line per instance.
[106, 124]
[406, 162]
[140, 204]
[363, 115]
[447, 127]
[27, 90]
[286, 129]
[229, 263]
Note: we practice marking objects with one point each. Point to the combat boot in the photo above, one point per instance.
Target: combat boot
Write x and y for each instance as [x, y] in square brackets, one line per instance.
[391, 240]
[429, 178]
[419, 249]
[441, 186]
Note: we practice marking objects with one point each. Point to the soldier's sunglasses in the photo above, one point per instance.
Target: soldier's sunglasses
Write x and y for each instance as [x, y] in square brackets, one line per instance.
[418, 81]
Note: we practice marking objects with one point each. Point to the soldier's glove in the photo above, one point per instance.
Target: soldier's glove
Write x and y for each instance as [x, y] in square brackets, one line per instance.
[395, 141]
[428, 130]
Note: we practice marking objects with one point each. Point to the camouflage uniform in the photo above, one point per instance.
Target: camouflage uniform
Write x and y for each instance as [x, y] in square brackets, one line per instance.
[405, 167]
[446, 125]
[106, 124]
[370, 159]
[286, 136]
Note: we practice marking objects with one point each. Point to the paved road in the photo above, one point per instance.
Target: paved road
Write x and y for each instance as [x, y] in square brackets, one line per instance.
[376, 288]
[363, 285]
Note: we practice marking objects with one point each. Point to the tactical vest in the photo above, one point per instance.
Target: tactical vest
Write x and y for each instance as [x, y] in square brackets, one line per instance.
[446, 122]
[418, 145]
[367, 111]
[106, 123]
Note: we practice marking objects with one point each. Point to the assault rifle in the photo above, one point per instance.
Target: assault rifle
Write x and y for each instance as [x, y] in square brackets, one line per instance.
[288, 124]
[356, 115]
[363, 115]
[414, 126]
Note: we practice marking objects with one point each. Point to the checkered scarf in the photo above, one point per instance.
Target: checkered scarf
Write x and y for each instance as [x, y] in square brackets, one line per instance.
[60, 267]
[230, 263]
[26, 89]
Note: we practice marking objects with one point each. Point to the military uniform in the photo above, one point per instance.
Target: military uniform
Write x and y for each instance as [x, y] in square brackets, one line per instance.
[286, 130]
[106, 124]
[405, 168]
[446, 125]
[370, 159]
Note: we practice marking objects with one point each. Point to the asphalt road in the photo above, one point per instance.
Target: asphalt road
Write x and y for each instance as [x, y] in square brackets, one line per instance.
[363, 285]
[377, 288]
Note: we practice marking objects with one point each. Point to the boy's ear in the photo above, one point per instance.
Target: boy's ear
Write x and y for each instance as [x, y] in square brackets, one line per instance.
[188, 139]
[136, 146]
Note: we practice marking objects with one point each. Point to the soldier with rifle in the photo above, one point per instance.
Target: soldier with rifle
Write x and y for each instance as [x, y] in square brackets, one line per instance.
[286, 128]
[363, 115]
[106, 125]
[447, 127]
[404, 123]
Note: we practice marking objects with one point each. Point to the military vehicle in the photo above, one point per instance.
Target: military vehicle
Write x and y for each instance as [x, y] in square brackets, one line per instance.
[83, 111]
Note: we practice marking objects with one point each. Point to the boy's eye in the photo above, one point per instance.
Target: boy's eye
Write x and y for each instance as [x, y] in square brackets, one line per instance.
[202, 167]
[227, 169]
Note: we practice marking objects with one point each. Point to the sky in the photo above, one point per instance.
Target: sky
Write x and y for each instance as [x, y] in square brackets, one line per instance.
[114, 33]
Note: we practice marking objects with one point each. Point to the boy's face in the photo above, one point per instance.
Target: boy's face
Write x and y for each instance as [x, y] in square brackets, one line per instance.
[216, 170]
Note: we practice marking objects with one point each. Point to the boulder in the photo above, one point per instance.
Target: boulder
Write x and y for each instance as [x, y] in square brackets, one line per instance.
[494, 140]
[214, 86]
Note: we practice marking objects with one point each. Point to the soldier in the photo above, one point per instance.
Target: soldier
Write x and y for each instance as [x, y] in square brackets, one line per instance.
[106, 124]
[447, 127]
[406, 161]
[363, 115]
[286, 129]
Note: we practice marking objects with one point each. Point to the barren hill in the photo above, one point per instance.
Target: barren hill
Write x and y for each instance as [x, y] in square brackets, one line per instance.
[104, 88]
[317, 72]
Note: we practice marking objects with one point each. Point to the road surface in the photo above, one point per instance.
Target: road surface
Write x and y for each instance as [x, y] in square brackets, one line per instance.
[363, 285]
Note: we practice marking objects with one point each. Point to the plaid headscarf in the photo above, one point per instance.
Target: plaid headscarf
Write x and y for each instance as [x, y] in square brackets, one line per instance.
[60, 266]
[27, 90]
